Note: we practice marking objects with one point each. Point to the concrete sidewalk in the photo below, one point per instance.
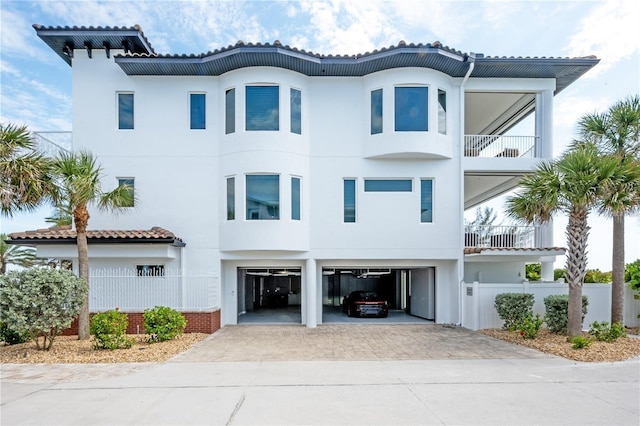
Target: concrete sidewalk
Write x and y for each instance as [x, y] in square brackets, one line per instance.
[507, 387]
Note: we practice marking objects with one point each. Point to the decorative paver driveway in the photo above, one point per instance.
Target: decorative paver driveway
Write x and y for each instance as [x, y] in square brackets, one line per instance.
[350, 343]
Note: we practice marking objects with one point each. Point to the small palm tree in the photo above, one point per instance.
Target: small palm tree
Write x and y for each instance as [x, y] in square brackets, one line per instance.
[79, 188]
[25, 178]
[16, 255]
[616, 132]
[570, 185]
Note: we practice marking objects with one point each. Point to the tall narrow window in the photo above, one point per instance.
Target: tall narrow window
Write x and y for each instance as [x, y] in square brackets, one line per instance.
[411, 109]
[262, 108]
[230, 111]
[130, 184]
[426, 201]
[442, 112]
[296, 111]
[197, 110]
[349, 200]
[376, 111]
[125, 110]
[263, 197]
[231, 198]
[295, 198]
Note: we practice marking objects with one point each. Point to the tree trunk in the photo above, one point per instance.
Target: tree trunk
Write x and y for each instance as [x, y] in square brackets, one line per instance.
[577, 235]
[617, 284]
[81, 218]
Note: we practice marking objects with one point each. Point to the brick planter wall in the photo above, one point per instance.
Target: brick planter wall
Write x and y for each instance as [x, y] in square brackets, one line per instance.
[197, 322]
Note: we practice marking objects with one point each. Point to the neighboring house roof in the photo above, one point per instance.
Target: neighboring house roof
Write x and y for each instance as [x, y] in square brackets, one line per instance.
[141, 59]
[65, 235]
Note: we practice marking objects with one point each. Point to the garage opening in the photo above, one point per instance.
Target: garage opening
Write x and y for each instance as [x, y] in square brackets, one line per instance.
[269, 296]
[409, 295]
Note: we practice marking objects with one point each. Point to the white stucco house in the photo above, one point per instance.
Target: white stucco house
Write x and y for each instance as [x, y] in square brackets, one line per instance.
[293, 178]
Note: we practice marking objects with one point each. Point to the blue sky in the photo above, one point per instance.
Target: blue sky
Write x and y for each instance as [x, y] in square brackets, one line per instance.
[36, 83]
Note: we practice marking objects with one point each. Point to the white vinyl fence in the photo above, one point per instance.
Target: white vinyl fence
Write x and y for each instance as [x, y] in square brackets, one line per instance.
[132, 293]
[478, 299]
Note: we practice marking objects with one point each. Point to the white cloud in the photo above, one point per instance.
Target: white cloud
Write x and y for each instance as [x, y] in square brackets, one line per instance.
[610, 31]
[17, 36]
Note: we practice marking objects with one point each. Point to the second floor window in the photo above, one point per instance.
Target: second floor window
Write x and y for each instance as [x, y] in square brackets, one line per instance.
[349, 208]
[296, 111]
[230, 111]
[263, 197]
[130, 184]
[411, 109]
[426, 201]
[197, 110]
[295, 198]
[442, 112]
[376, 111]
[262, 108]
[125, 111]
[231, 198]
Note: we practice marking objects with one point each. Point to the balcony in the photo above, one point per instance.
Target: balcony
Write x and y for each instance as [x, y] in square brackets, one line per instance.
[490, 146]
[500, 236]
[52, 143]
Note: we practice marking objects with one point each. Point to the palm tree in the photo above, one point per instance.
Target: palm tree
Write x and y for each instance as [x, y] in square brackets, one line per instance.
[15, 255]
[25, 179]
[569, 185]
[616, 133]
[79, 188]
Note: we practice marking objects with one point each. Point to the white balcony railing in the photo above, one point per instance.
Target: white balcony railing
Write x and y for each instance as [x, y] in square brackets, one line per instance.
[500, 146]
[52, 143]
[500, 236]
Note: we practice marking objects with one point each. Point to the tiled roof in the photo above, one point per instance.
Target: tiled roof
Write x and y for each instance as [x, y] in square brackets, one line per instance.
[141, 59]
[477, 250]
[65, 235]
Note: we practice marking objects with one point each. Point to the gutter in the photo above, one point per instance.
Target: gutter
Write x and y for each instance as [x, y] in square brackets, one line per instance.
[472, 64]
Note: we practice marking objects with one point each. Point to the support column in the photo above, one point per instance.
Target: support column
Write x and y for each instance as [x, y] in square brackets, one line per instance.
[310, 286]
[544, 124]
[545, 240]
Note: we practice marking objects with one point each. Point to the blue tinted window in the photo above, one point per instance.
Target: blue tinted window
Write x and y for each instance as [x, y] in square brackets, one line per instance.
[130, 183]
[376, 111]
[349, 200]
[387, 185]
[411, 109]
[442, 112]
[263, 197]
[295, 198]
[125, 110]
[197, 107]
[263, 108]
[230, 111]
[296, 112]
[231, 198]
[426, 201]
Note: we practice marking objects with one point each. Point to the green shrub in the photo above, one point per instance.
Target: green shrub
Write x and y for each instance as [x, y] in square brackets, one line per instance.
[557, 312]
[163, 323]
[632, 278]
[109, 330]
[530, 326]
[605, 333]
[513, 307]
[41, 302]
[10, 337]
[580, 342]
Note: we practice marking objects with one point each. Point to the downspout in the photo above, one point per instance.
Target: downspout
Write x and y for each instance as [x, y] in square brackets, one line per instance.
[472, 63]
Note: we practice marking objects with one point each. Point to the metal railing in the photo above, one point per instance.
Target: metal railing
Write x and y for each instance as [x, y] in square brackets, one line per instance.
[127, 291]
[52, 143]
[500, 146]
[500, 236]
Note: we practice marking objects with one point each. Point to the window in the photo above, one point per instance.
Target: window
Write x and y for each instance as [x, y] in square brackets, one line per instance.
[387, 185]
[426, 201]
[231, 198]
[130, 183]
[376, 111]
[296, 111]
[150, 270]
[230, 111]
[198, 111]
[125, 110]
[295, 198]
[411, 109]
[442, 112]
[262, 108]
[263, 197]
[349, 200]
